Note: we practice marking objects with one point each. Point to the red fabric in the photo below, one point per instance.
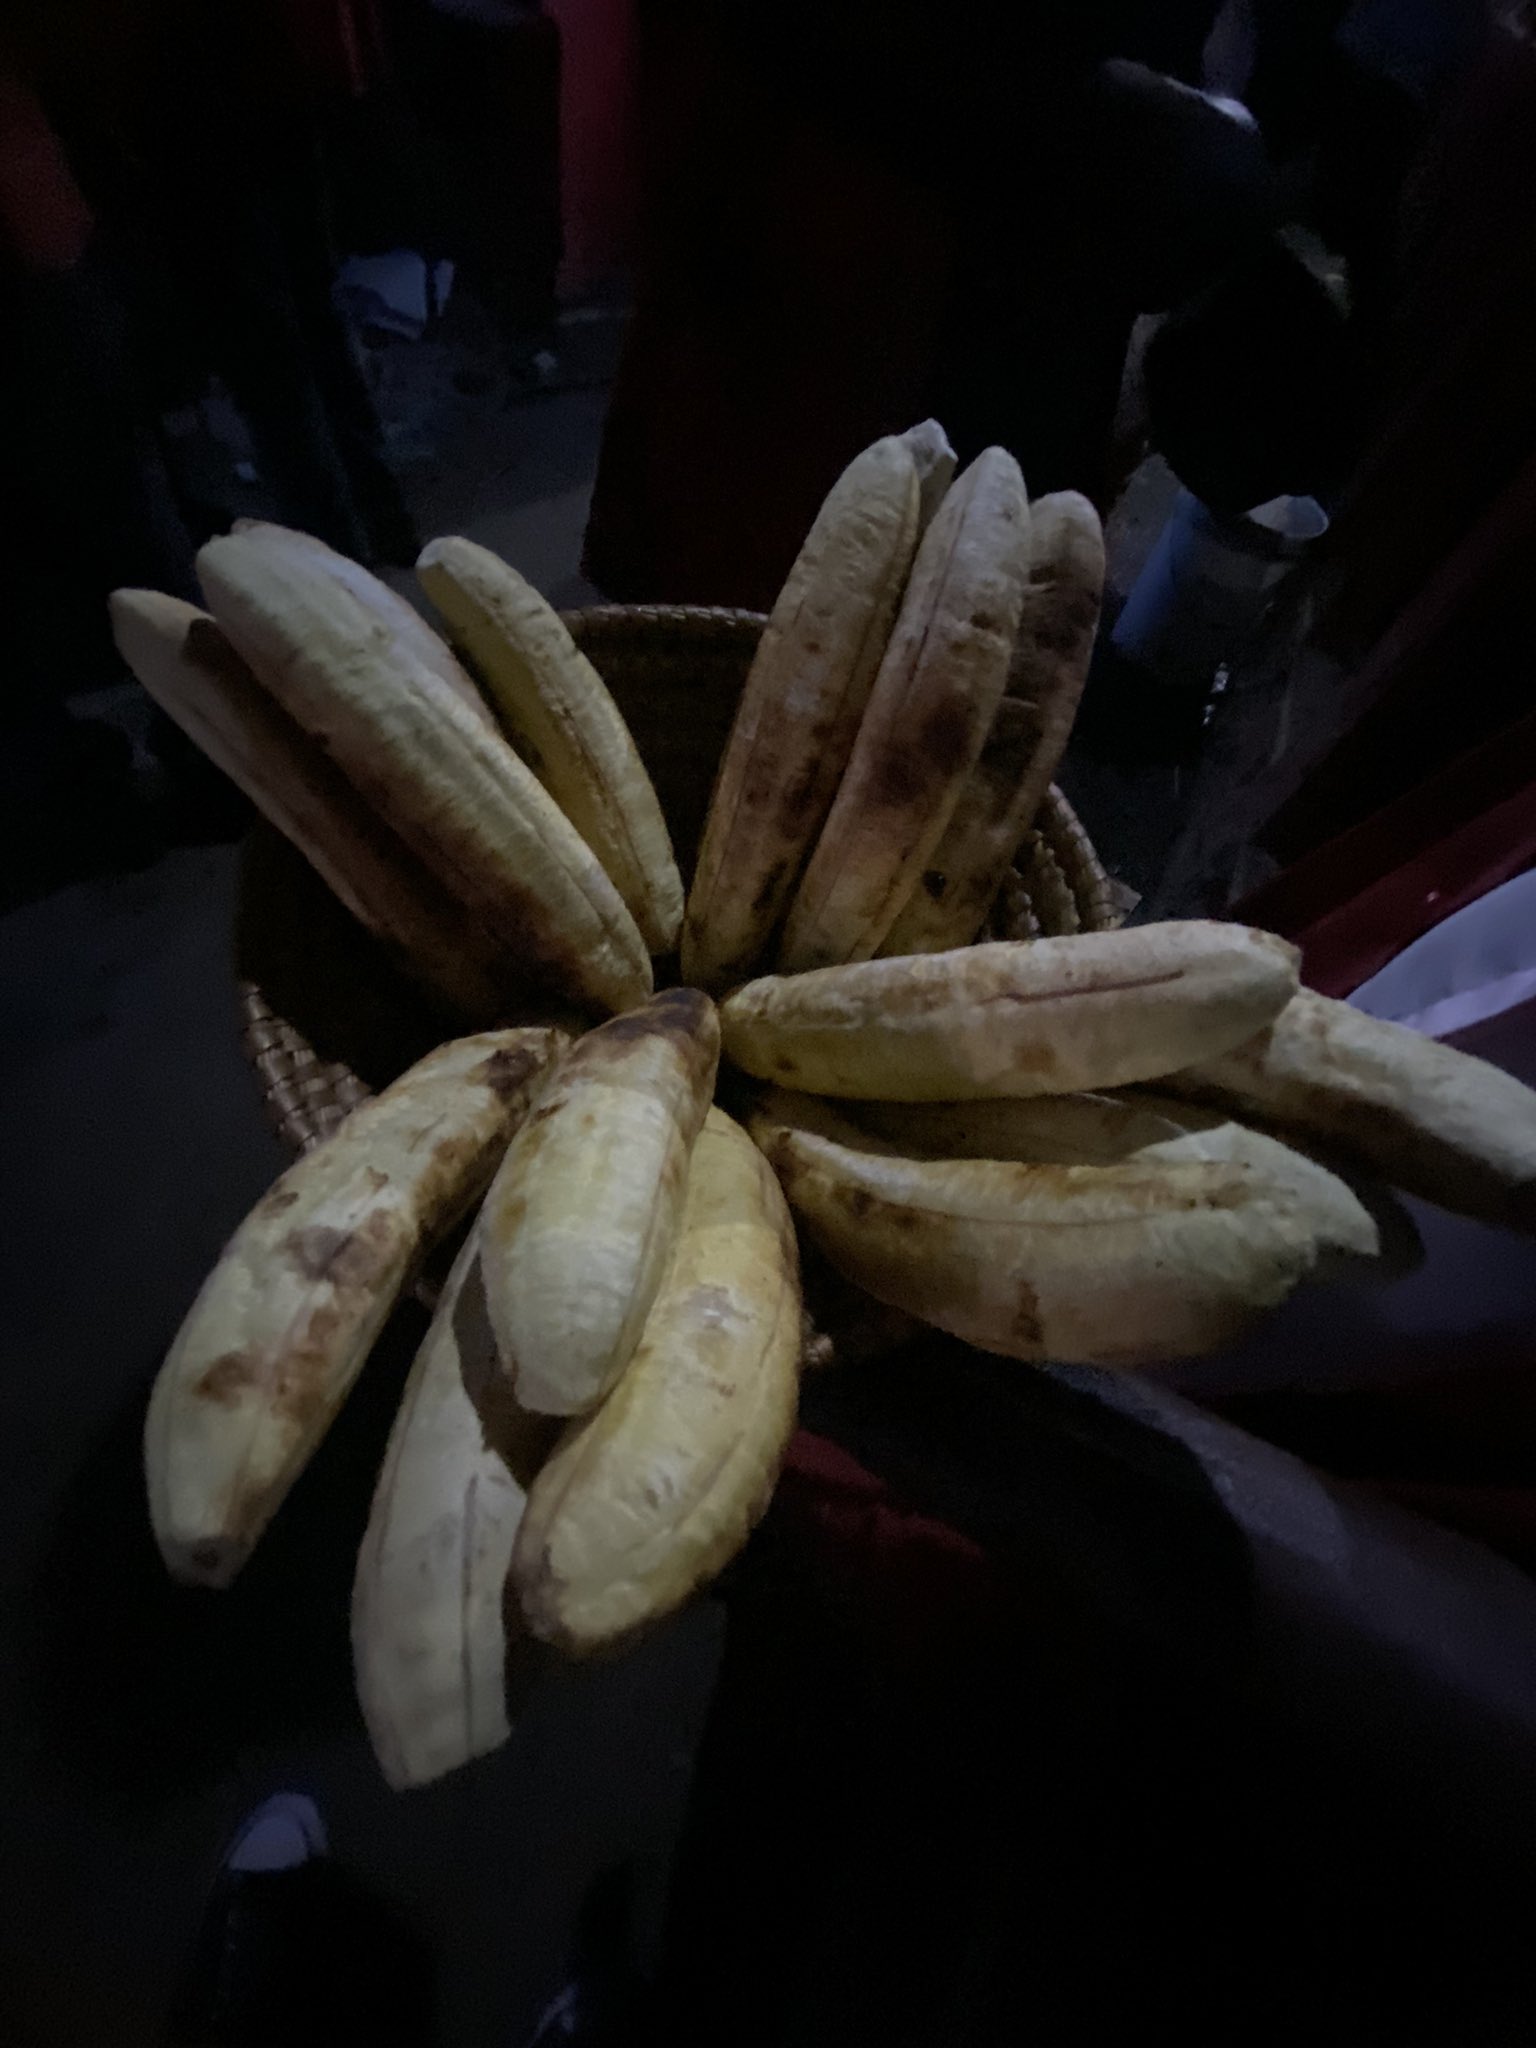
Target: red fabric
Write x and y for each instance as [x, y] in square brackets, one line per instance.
[1354, 903]
[44, 220]
[906, 1582]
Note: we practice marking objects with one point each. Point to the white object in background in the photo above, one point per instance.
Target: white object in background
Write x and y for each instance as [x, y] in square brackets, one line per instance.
[1477, 963]
[1203, 588]
[390, 291]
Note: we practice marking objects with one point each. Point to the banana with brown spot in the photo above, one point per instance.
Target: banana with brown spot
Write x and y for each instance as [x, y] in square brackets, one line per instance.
[1139, 1129]
[929, 712]
[799, 712]
[1057, 624]
[187, 665]
[1437, 1122]
[432, 1634]
[582, 1217]
[654, 1493]
[437, 772]
[284, 1323]
[1100, 1265]
[563, 722]
[1014, 1017]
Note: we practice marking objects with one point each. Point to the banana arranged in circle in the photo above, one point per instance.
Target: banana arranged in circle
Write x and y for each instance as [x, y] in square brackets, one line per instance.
[1095, 1265]
[283, 1324]
[582, 1217]
[929, 712]
[563, 722]
[1013, 1017]
[648, 1497]
[433, 769]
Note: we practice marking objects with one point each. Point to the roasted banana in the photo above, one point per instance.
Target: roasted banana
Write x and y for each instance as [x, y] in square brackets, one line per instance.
[196, 677]
[563, 722]
[929, 712]
[1028, 1017]
[795, 726]
[435, 771]
[582, 1217]
[1099, 1265]
[284, 1323]
[1134, 1129]
[1434, 1121]
[949, 903]
[652, 1494]
[429, 1618]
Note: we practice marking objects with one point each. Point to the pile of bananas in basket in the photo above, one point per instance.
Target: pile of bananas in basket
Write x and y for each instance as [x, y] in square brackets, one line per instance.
[963, 1126]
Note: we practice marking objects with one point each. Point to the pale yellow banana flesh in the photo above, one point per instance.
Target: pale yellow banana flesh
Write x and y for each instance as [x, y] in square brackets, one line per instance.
[437, 773]
[1139, 1129]
[563, 722]
[284, 1323]
[1023, 750]
[1058, 623]
[799, 713]
[1434, 1121]
[954, 892]
[1107, 1265]
[935, 461]
[1029, 1017]
[188, 666]
[429, 1618]
[651, 1495]
[583, 1216]
[929, 712]
[397, 618]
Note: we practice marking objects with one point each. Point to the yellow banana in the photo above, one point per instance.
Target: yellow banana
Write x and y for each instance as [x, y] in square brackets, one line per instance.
[1137, 1129]
[196, 677]
[582, 1217]
[1027, 1017]
[1445, 1126]
[397, 618]
[935, 460]
[651, 1495]
[949, 903]
[799, 712]
[429, 1622]
[284, 1323]
[1106, 1265]
[563, 722]
[451, 786]
[929, 712]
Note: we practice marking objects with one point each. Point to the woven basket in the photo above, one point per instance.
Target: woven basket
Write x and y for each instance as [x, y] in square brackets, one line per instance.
[328, 1020]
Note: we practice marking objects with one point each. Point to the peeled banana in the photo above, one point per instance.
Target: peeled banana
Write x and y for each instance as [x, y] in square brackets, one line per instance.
[929, 712]
[583, 1215]
[1098, 1265]
[935, 460]
[652, 1494]
[563, 723]
[435, 771]
[950, 900]
[1058, 621]
[283, 1324]
[429, 1618]
[1138, 1129]
[1028, 1017]
[1437, 1122]
[194, 675]
[800, 709]
[401, 621]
